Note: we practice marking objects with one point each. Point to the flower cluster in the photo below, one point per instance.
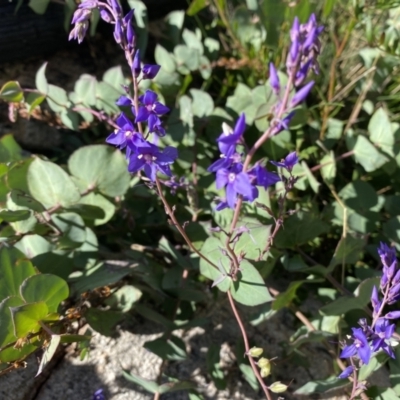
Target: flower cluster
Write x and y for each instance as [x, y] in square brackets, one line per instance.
[141, 153]
[230, 171]
[369, 339]
[301, 59]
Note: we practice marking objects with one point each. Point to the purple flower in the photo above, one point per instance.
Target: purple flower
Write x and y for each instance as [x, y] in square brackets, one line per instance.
[225, 160]
[136, 64]
[115, 6]
[262, 177]
[149, 71]
[346, 372]
[222, 204]
[304, 49]
[360, 346]
[79, 31]
[293, 54]
[295, 29]
[376, 303]
[105, 15]
[124, 134]
[301, 94]
[383, 331]
[89, 4]
[236, 182]
[118, 32]
[150, 110]
[394, 294]
[148, 157]
[124, 101]
[289, 162]
[387, 254]
[81, 15]
[301, 74]
[229, 138]
[130, 32]
[282, 124]
[393, 315]
[99, 395]
[274, 79]
[155, 126]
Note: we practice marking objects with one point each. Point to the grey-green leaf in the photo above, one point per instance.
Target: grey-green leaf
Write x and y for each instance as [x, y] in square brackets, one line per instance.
[50, 184]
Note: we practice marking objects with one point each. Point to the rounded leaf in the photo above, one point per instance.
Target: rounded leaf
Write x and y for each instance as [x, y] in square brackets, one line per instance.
[45, 287]
[101, 167]
[50, 184]
[250, 288]
[12, 92]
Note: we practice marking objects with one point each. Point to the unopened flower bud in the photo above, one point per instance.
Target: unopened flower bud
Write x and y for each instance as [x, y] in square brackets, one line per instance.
[80, 15]
[118, 32]
[105, 15]
[301, 95]
[392, 315]
[346, 372]
[115, 6]
[263, 362]
[136, 69]
[149, 71]
[274, 79]
[264, 372]
[278, 387]
[255, 352]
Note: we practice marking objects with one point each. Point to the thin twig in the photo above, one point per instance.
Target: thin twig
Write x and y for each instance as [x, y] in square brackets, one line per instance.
[247, 346]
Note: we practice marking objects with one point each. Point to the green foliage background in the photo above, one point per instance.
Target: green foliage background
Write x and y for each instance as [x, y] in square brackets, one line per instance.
[79, 222]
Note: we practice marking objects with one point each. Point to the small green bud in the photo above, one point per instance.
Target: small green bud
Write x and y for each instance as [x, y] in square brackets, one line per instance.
[264, 372]
[255, 352]
[263, 362]
[278, 387]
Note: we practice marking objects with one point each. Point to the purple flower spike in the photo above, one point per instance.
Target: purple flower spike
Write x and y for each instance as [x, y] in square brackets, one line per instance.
[289, 162]
[301, 94]
[360, 346]
[274, 79]
[136, 64]
[149, 71]
[346, 372]
[236, 182]
[148, 157]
